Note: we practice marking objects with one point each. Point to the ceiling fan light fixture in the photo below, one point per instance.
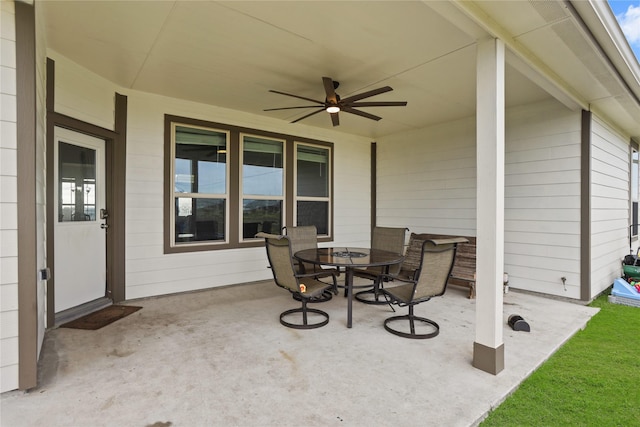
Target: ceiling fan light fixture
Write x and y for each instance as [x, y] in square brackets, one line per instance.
[333, 109]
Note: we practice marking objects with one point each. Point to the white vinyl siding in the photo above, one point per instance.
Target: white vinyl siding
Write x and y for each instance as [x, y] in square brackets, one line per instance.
[610, 202]
[151, 272]
[542, 199]
[427, 182]
[427, 179]
[8, 205]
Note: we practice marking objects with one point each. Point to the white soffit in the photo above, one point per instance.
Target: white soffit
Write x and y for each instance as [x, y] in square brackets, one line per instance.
[229, 54]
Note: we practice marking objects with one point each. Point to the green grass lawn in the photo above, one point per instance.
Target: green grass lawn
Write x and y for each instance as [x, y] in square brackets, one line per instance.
[593, 380]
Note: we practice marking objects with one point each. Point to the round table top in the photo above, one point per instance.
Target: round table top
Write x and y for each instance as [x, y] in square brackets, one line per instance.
[349, 257]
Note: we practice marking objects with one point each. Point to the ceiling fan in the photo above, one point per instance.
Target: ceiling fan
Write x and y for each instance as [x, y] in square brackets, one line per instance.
[334, 104]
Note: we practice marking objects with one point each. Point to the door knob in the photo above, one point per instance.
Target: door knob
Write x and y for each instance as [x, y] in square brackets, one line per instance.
[104, 226]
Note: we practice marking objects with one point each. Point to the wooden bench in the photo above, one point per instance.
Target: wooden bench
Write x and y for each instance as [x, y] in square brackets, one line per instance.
[464, 266]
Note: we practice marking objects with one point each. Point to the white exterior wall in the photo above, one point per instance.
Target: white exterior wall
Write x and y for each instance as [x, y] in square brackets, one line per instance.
[427, 182]
[149, 271]
[427, 179]
[610, 172]
[8, 202]
[542, 199]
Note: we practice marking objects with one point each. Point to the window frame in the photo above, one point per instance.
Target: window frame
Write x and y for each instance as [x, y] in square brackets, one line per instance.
[242, 194]
[213, 196]
[233, 225]
[328, 198]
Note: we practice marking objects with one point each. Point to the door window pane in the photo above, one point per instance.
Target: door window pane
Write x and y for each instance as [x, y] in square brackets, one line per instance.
[76, 183]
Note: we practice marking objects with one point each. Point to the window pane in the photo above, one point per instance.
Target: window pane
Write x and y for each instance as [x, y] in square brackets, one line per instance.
[314, 213]
[200, 162]
[76, 183]
[261, 215]
[262, 169]
[199, 219]
[313, 179]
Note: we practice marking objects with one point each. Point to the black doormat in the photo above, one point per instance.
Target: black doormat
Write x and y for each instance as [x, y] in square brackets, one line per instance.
[100, 318]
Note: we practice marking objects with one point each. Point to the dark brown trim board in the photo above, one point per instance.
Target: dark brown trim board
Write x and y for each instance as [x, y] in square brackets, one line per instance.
[585, 207]
[116, 143]
[26, 203]
[116, 236]
[374, 184]
[50, 214]
[234, 239]
[488, 359]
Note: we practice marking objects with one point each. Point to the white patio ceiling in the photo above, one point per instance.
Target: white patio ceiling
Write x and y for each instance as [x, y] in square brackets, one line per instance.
[230, 54]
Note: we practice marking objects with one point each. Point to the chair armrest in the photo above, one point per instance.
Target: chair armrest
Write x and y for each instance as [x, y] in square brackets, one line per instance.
[321, 274]
[316, 274]
[383, 276]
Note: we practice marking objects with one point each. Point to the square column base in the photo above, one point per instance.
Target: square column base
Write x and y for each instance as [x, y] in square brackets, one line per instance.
[488, 359]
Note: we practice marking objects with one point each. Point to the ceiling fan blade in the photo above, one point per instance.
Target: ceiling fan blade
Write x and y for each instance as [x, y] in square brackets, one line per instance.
[334, 119]
[360, 113]
[367, 94]
[296, 96]
[329, 90]
[308, 115]
[291, 108]
[379, 104]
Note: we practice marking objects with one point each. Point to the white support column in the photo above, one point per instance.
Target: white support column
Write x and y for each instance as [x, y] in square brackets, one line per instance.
[488, 349]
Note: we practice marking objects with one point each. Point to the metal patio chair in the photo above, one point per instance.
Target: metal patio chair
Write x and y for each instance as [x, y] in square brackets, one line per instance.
[306, 287]
[429, 280]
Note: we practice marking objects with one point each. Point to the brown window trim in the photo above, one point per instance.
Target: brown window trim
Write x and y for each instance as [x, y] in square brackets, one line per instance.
[234, 240]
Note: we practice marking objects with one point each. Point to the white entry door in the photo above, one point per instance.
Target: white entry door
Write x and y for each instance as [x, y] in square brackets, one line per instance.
[79, 233]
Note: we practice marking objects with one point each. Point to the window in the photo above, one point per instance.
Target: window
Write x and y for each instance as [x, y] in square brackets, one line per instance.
[262, 185]
[199, 184]
[312, 182]
[224, 184]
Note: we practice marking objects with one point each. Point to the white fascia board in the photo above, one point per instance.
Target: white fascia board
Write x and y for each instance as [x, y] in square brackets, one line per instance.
[604, 27]
[538, 71]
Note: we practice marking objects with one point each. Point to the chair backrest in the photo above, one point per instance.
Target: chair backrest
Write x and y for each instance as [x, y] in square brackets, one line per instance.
[302, 237]
[410, 267]
[279, 255]
[435, 267]
[389, 239]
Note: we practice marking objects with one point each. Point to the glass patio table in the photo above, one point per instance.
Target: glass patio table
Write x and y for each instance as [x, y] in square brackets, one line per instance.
[349, 259]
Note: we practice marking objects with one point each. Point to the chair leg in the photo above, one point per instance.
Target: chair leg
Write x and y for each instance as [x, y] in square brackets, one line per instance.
[412, 326]
[362, 296]
[304, 311]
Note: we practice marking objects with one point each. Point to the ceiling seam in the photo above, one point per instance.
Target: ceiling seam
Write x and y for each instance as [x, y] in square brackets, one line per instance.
[153, 45]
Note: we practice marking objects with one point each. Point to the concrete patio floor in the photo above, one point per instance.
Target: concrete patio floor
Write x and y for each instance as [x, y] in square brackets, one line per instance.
[221, 358]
